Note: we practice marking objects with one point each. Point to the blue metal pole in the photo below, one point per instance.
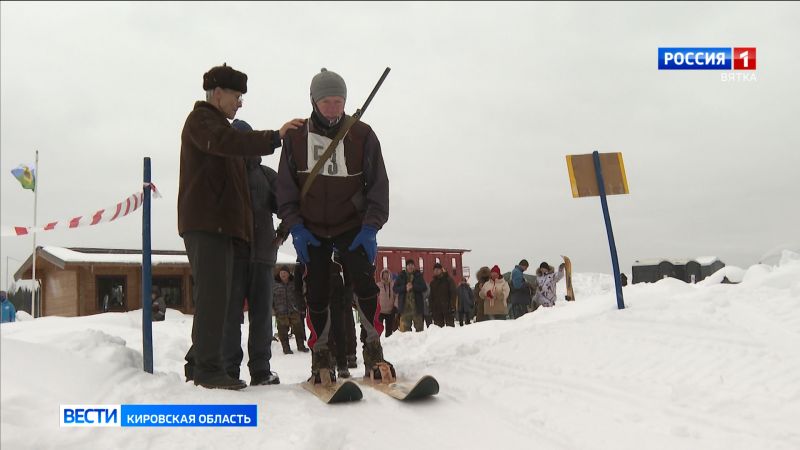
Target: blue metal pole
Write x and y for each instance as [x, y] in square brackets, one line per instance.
[611, 244]
[147, 276]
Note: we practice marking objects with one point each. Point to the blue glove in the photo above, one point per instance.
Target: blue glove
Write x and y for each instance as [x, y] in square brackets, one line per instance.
[301, 238]
[366, 239]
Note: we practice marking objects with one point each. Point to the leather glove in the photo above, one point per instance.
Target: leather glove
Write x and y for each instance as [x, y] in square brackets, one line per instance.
[366, 239]
[301, 238]
[489, 294]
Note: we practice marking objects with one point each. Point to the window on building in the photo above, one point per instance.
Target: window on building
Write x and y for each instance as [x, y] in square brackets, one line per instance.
[111, 293]
[170, 289]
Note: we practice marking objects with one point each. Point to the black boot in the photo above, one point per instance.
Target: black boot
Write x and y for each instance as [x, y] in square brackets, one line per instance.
[286, 349]
[264, 378]
[301, 345]
[342, 370]
[352, 363]
[220, 382]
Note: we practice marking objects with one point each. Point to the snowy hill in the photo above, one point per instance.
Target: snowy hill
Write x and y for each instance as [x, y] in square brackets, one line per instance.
[706, 366]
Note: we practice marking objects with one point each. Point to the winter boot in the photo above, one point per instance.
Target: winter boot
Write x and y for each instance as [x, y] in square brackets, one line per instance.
[377, 369]
[322, 365]
[352, 363]
[264, 378]
[222, 381]
[301, 346]
[342, 370]
[286, 349]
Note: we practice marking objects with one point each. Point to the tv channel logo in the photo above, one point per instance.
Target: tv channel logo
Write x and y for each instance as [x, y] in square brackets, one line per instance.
[706, 58]
[90, 416]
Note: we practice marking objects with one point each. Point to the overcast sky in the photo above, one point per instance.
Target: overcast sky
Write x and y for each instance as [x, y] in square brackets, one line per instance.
[483, 102]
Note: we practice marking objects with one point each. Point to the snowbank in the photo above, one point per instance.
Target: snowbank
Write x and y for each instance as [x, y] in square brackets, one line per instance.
[708, 366]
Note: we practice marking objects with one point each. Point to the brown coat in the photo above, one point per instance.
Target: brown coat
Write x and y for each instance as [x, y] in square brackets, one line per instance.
[346, 194]
[443, 293]
[213, 194]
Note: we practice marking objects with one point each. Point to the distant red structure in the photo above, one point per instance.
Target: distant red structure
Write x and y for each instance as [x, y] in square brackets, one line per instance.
[394, 259]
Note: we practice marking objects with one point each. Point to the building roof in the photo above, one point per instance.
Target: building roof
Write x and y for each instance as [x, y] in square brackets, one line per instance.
[702, 260]
[422, 249]
[61, 257]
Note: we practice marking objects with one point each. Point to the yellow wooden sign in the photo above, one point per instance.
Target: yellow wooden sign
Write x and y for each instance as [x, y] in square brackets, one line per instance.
[583, 179]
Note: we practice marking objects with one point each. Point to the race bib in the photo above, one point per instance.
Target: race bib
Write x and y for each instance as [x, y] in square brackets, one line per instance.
[336, 166]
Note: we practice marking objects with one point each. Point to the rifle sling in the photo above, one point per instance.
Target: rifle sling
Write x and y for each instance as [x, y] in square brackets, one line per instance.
[328, 153]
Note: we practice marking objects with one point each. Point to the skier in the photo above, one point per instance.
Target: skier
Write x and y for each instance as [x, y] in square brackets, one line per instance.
[344, 208]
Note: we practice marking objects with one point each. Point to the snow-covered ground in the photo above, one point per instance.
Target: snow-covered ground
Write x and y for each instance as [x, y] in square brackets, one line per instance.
[706, 366]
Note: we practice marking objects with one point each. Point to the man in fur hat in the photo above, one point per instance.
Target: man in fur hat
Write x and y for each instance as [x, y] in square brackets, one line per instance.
[215, 218]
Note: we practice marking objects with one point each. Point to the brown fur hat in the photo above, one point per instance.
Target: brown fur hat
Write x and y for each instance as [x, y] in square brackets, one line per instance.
[483, 274]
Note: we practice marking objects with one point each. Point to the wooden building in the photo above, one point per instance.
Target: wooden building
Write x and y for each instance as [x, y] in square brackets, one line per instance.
[394, 259]
[85, 281]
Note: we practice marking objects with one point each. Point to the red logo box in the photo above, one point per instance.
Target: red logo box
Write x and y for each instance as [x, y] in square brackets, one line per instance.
[744, 58]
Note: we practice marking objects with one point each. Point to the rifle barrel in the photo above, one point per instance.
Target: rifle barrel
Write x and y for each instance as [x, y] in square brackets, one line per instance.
[375, 90]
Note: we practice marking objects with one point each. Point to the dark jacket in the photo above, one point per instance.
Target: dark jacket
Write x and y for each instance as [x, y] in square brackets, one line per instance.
[443, 293]
[159, 309]
[418, 286]
[351, 190]
[262, 196]
[285, 299]
[521, 296]
[466, 298]
[521, 291]
[212, 191]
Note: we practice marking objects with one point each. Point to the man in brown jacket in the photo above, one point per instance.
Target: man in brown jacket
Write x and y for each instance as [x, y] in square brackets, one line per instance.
[214, 212]
[344, 208]
[443, 297]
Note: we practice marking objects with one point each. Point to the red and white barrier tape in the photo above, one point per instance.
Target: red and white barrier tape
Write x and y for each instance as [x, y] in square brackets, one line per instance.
[110, 214]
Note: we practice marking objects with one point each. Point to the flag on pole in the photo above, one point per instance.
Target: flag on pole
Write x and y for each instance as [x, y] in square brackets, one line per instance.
[26, 176]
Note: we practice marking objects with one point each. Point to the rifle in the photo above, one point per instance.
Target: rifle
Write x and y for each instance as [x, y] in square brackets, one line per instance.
[339, 136]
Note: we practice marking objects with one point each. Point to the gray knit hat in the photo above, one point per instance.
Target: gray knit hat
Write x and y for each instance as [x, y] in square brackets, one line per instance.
[327, 84]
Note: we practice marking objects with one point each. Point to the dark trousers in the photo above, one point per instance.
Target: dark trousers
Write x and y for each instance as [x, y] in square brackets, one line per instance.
[337, 340]
[442, 315]
[211, 259]
[464, 317]
[518, 310]
[293, 321]
[358, 271]
[350, 328]
[388, 323]
[251, 281]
